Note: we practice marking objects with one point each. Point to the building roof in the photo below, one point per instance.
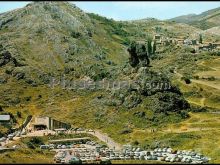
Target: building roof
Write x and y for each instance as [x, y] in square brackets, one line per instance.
[4, 117]
[216, 43]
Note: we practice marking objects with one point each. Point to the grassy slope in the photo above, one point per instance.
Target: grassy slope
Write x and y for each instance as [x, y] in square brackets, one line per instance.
[200, 131]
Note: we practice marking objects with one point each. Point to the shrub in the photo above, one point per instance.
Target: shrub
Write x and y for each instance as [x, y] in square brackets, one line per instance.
[9, 70]
[184, 114]
[135, 143]
[171, 70]
[212, 78]
[196, 77]
[140, 114]
[18, 114]
[28, 98]
[187, 80]
[12, 117]
[1, 109]
[75, 34]
[36, 141]
[30, 145]
[126, 131]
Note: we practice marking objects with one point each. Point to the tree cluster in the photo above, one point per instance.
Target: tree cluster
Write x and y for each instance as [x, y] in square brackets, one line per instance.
[138, 54]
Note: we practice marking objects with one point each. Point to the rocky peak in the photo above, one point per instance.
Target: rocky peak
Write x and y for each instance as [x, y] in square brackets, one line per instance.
[39, 16]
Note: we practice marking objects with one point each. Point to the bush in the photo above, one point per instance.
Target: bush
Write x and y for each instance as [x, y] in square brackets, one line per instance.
[196, 77]
[75, 34]
[1, 109]
[18, 114]
[126, 131]
[135, 143]
[28, 98]
[187, 80]
[36, 141]
[184, 114]
[139, 114]
[9, 70]
[12, 117]
[212, 78]
[30, 145]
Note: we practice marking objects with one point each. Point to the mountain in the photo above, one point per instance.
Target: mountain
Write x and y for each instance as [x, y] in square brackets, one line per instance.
[55, 37]
[205, 20]
[184, 18]
[57, 40]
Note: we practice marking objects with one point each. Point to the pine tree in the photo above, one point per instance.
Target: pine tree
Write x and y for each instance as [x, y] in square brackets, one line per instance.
[200, 38]
[154, 47]
[149, 45]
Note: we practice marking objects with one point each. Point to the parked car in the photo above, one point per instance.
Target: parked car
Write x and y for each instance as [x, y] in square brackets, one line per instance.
[3, 139]
[59, 146]
[63, 161]
[44, 146]
[63, 146]
[10, 136]
[80, 129]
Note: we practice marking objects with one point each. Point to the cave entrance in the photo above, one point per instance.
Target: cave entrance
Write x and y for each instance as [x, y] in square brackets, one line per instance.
[40, 127]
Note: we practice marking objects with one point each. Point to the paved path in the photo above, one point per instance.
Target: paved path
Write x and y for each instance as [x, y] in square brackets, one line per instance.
[105, 138]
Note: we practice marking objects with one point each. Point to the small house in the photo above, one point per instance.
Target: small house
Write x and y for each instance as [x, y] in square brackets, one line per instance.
[187, 42]
[216, 45]
[157, 37]
[180, 41]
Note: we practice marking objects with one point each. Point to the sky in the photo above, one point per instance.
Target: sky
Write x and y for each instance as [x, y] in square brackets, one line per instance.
[123, 10]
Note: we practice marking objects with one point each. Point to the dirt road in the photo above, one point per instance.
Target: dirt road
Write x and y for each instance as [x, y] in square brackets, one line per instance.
[207, 83]
[216, 86]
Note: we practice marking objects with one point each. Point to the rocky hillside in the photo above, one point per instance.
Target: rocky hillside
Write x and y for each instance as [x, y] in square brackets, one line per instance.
[53, 39]
[47, 39]
[205, 20]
